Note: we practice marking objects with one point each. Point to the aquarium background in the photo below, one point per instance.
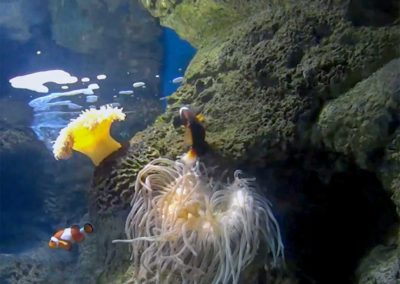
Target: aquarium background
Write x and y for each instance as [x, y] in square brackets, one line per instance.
[38, 194]
[302, 95]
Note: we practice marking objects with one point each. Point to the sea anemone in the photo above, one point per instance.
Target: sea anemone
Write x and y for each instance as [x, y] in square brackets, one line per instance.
[89, 134]
[183, 228]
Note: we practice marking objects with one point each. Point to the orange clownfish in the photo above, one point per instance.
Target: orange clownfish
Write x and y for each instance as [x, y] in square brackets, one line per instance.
[66, 237]
[195, 134]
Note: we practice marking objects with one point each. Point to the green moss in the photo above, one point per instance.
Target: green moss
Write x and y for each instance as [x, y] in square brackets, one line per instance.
[260, 81]
[199, 21]
[359, 122]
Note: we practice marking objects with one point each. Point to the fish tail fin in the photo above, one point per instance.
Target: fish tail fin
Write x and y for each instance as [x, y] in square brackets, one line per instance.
[200, 117]
[190, 158]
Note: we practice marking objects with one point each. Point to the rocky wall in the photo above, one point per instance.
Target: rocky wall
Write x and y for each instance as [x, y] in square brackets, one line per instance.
[290, 86]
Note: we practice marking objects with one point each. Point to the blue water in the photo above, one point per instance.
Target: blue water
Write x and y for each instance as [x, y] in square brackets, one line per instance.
[178, 54]
[21, 200]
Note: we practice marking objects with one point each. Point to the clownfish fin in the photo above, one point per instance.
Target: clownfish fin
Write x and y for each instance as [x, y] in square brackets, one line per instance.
[75, 227]
[190, 158]
[64, 244]
[52, 244]
[88, 228]
[57, 231]
[200, 117]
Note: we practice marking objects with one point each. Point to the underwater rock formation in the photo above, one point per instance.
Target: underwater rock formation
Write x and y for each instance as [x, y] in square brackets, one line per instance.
[15, 21]
[261, 76]
[363, 123]
[115, 179]
[281, 66]
[85, 26]
[35, 266]
[118, 34]
[380, 266]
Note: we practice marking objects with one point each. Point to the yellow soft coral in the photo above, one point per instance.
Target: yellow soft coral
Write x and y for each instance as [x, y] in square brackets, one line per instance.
[89, 134]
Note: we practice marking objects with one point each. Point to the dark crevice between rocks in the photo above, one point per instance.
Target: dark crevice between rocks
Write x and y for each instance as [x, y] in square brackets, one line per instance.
[373, 12]
[328, 226]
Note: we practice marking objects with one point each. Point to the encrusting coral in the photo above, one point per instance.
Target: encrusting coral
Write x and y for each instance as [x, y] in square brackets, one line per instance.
[185, 228]
[89, 134]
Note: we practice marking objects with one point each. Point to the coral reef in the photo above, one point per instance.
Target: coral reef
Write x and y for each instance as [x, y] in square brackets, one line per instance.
[113, 181]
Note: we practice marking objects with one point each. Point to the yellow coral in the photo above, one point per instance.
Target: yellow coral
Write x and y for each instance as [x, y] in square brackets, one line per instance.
[89, 134]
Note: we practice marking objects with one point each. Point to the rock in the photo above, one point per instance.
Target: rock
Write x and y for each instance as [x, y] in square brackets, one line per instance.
[361, 122]
[114, 179]
[253, 74]
[381, 266]
[201, 22]
[37, 265]
[85, 26]
[120, 36]
[260, 76]
[15, 21]
[364, 124]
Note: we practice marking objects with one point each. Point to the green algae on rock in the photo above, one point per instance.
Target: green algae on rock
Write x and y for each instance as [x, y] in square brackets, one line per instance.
[261, 78]
[196, 21]
[361, 121]
[273, 73]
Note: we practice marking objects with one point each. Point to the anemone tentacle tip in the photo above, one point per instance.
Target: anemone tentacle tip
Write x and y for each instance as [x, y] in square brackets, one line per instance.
[185, 228]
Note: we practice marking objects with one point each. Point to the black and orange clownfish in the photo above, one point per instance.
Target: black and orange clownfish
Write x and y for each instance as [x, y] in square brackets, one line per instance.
[195, 135]
[65, 238]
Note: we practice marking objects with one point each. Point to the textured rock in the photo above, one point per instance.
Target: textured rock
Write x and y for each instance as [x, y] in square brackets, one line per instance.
[115, 177]
[381, 266]
[260, 77]
[364, 123]
[272, 73]
[201, 22]
[85, 26]
[11, 139]
[361, 122]
[389, 170]
[99, 260]
[118, 37]
[35, 266]
[196, 21]
[15, 21]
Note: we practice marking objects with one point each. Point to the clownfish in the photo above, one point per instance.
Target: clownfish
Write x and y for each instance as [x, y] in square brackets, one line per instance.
[66, 237]
[195, 135]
